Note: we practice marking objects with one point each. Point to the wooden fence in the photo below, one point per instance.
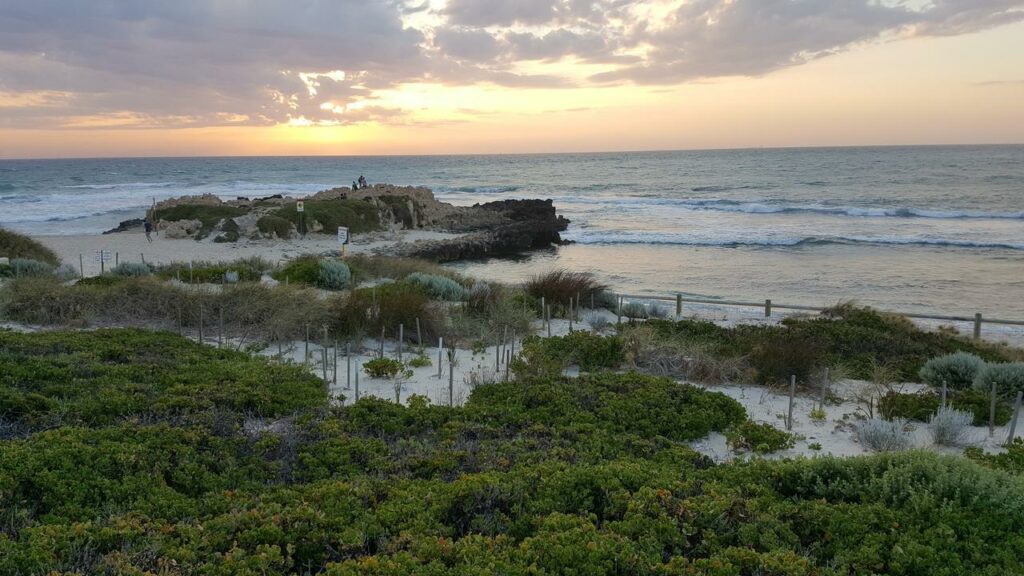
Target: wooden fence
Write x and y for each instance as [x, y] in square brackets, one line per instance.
[978, 319]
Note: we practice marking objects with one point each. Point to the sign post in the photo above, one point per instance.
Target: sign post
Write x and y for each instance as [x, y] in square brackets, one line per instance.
[300, 207]
[103, 256]
[343, 239]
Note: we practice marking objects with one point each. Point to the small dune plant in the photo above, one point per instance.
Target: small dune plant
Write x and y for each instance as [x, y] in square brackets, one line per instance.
[1008, 378]
[884, 435]
[25, 267]
[949, 426]
[383, 368]
[559, 286]
[439, 287]
[420, 361]
[761, 438]
[334, 275]
[131, 270]
[957, 370]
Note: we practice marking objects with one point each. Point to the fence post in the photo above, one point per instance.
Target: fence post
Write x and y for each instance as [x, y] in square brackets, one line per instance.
[81, 265]
[117, 258]
[543, 312]
[1013, 422]
[334, 365]
[977, 326]
[305, 357]
[944, 391]
[679, 305]
[401, 335]
[618, 312]
[220, 326]
[357, 379]
[992, 413]
[792, 392]
[570, 314]
[381, 340]
[768, 308]
[440, 365]
[348, 366]
[547, 318]
[142, 257]
[419, 334]
[451, 378]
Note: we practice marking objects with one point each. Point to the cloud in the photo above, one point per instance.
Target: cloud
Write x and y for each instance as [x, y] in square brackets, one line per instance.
[157, 63]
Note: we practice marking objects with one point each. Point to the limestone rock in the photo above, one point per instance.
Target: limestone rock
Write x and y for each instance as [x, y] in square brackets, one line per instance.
[180, 228]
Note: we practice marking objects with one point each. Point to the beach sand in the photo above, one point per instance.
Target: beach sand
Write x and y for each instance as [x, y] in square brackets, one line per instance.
[133, 247]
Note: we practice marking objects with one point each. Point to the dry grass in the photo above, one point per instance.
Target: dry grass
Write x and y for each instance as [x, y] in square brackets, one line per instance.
[559, 286]
[654, 355]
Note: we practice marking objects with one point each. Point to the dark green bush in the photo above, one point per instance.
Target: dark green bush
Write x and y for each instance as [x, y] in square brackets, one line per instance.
[275, 225]
[368, 310]
[103, 376]
[208, 215]
[761, 438]
[382, 367]
[248, 269]
[551, 355]
[14, 245]
[922, 405]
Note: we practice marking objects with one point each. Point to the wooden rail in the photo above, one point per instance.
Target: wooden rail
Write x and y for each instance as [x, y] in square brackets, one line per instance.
[768, 306]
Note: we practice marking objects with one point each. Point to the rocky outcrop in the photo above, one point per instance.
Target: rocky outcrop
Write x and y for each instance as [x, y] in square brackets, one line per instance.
[512, 227]
[180, 228]
[126, 226]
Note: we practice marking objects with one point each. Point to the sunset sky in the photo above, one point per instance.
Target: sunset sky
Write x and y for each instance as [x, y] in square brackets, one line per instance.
[231, 77]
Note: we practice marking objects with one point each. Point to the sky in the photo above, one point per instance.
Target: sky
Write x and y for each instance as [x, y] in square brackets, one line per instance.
[90, 78]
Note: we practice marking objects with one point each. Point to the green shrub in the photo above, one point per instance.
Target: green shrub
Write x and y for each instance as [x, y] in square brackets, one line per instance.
[383, 367]
[304, 269]
[923, 405]
[949, 426]
[14, 245]
[551, 355]
[778, 359]
[334, 275]
[358, 216]
[101, 376]
[248, 269]
[1008, 378]
[1012, 460]
[440, 287]
[884, 435]
[275, 225]
[26, 267]
[957, 370]
[761, 438]
[421, 361]
[368, 310]
[131, 270]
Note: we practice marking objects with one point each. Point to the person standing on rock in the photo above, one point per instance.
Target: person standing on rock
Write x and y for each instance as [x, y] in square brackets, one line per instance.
[362, 181]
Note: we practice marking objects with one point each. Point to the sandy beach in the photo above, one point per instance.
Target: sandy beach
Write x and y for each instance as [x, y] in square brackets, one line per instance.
[133, 247]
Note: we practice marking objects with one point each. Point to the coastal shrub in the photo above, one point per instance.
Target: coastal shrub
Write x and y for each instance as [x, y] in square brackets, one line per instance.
[762, 438]
[383, 367]
[102, 376]
[303, 269]
[275, 226]
[551, 355]
[598, 322]
[777, 359]
[559, 286]
[420, 361]
[209, 215]
[367, 267]
[368, 310]
[334, 275]
[440, 287]
[14, 245]
[481, 298]
[131, 270]
[248, 270]
[634, 311]
[649, 352]
[949, 426]
[359, 216]
[65, 272]
[26, 267]
[922, 405]
[884, 435]
[956, 370]
[1012, 460]
[1008, 378]
[856, 338]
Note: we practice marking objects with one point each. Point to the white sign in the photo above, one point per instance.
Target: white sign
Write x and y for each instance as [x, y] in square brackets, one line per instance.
[103, 256]
[300, 206]
[342, 235]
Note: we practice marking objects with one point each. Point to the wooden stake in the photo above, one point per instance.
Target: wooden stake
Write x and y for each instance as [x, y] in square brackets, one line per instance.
[792, 393]
[440, 363]
[357, 379]
[992, 413]
[419, 335]
[334, 374]
[547, 318]
[543, 312]
[220, 326]
[401, 336]
[1013, 421]
[382, 341]
[944, 389]
[200, 319]
[348, 366]
[451, 377]
[977, 326]
[81, 265]
[305, 357]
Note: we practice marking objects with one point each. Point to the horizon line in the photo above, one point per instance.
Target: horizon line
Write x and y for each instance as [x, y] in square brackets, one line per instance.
[563, 153]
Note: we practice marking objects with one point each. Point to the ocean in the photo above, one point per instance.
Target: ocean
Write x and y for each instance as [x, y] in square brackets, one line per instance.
[924, 229]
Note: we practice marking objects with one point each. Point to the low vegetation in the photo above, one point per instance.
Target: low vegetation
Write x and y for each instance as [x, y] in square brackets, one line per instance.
[558, 287]
[762, 438]
[208, 215]
[922, 405]
[358, 216]
[956, 371]
[14, 245]
[248, 270]
[200, 461]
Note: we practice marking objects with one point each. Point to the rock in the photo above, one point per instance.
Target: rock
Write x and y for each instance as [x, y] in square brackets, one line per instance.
[246, 224]
[126, 226]
[179, 228]
[204, 200]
